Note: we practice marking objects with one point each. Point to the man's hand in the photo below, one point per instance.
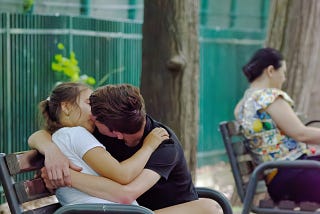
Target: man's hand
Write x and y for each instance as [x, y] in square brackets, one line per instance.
[57, 168]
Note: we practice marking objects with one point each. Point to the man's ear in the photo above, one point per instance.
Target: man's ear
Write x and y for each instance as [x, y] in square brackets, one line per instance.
[118, 135]
[66, 108]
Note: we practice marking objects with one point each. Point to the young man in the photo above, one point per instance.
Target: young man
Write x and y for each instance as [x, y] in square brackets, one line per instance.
[119, 115]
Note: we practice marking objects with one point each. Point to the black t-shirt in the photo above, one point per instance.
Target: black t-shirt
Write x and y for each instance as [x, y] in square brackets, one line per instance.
[175, 185]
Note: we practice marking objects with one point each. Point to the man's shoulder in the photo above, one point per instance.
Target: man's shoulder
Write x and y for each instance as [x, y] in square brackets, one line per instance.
[154, 124]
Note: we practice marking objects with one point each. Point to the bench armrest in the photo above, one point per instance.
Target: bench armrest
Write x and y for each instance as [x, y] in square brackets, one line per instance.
[103, 208]
[224, 203]
[259, 170]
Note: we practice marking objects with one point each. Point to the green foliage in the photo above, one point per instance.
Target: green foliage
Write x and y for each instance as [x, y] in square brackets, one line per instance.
[27, 5]
[68, 66]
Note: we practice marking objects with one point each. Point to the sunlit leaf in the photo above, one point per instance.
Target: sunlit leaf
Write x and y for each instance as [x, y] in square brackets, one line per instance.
[60, 46]
[56, 67]
[58, 57]
[91, 81]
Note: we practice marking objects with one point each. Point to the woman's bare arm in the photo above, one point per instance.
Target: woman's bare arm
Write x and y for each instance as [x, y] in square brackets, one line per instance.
[124, 172]
[289, 123]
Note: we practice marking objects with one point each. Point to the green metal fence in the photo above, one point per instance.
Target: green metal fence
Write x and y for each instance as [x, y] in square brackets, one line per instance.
[221, 85]
[230, 31]
[28, 44]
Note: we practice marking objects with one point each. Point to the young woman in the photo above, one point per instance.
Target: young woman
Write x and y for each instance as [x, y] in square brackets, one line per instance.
[273, 130]
[67, 117]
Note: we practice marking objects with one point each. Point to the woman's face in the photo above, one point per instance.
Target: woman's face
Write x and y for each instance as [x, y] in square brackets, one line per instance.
[80, 115]
[278, 76]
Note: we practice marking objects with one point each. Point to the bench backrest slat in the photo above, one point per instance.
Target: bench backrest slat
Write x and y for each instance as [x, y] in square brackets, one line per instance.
[24, 161]
[31, 189]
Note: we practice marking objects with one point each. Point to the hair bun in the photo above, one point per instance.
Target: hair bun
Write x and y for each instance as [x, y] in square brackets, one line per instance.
[247, 72]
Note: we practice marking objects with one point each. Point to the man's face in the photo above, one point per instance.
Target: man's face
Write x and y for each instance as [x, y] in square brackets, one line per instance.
[103, 129]
[130, 140]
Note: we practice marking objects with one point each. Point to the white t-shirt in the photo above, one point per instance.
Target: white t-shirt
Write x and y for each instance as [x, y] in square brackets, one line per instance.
[74, 142]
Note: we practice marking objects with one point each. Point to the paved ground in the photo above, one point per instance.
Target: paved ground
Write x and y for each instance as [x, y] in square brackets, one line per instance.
[217, 177]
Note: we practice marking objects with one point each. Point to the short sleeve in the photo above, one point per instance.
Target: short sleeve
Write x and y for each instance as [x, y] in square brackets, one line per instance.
[84, 141]
[80, 140]
[267, 96]
[163, 159]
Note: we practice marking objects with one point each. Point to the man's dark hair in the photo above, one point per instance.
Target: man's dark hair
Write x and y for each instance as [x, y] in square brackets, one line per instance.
[120, 107]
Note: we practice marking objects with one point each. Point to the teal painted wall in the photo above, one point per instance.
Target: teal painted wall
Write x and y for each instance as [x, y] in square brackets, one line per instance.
[230, 31]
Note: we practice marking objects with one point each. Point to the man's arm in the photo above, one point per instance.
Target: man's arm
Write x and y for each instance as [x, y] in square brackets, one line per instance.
[57, 165]
[107, 189]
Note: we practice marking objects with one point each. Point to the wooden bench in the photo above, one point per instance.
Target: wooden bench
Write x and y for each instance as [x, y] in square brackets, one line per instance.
[249, 180]
[18, 192]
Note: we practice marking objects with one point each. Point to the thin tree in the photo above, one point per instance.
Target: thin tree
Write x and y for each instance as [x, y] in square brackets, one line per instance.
[294, 29]
[170, 68]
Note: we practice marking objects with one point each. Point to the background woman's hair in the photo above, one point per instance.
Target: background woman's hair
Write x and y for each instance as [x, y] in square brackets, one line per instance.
[50, 108]
[261, 60]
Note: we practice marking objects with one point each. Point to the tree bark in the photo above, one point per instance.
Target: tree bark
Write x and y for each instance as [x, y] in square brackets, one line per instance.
[170, 68]
[294, 29]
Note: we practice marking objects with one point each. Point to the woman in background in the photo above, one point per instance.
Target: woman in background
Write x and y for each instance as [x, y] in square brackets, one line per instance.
[273, 130]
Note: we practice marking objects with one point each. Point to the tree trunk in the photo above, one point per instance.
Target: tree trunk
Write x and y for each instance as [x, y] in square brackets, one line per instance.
[294, 29]
[170, 68]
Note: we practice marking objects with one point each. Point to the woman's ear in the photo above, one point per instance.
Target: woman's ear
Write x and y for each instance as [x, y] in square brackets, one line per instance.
[270, 70]
[65, 107]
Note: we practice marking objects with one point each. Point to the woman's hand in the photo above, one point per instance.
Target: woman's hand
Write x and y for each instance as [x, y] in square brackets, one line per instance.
[155, 138]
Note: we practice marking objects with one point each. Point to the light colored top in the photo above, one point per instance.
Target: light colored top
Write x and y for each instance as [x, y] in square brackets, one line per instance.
[74, 142]
[264, 138]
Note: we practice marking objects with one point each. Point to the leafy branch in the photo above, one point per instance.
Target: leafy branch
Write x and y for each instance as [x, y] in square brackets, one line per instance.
[69, 67]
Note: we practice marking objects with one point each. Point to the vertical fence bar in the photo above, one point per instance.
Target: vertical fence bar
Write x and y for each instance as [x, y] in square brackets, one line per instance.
[264, 13]
[2, 64]
[203, 12]
[233, 15]
[132, 9]
[70, 18]
[2, 78]
[85, 7]
[8, 71]
[121, 55]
